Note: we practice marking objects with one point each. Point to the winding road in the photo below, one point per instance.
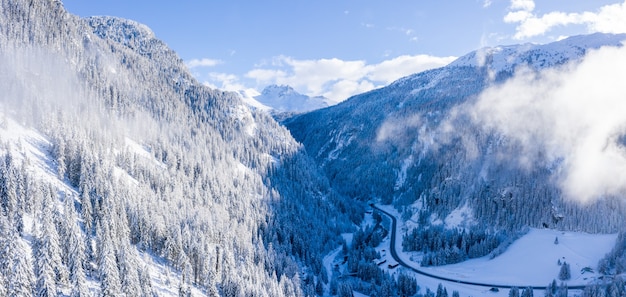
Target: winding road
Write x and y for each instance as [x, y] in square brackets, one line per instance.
[394, 254]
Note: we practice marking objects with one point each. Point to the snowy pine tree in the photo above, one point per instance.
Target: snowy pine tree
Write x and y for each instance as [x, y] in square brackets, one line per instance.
[565, 273]
[108, 272]
[20, 277]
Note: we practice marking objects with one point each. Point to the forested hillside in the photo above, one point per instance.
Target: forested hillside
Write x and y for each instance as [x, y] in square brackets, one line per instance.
[116, 162]
[417, 144]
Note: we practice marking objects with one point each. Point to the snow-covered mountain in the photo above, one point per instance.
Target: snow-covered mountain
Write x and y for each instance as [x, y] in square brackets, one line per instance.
[465, 189]
[536, 56]
[121, 175]
[407, 144]
[285, 99]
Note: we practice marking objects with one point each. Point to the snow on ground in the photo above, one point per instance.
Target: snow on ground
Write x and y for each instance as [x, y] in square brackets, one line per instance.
[340, 142]
[138, 149]
[26, 144]
[329, 263]
[165, 280]
[460, 217]
[242, 114]
[357, 294]
[248, 97]
[401, 173]
[532, 259]
[142, 151]
[529, 261]
[347, 237]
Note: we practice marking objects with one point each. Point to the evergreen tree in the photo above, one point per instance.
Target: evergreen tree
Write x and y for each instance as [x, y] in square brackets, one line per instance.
[527, 292]
[46, 284]
[344, 290]
[48, 247]
[20, 276]
[145, 283]
[75, 243]
[107, 266]
[441, 291]
[319, 288]
[407, 286]
[127, 265]
[3, 285]
[565, 273]
[86, 209]
[563, 291]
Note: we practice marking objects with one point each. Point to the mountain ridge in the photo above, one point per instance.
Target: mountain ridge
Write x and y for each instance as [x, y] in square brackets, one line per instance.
[537, 56]
[421, 164]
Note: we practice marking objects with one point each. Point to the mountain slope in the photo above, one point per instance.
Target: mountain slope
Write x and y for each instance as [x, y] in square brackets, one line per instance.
[147, 171]
[412, 144]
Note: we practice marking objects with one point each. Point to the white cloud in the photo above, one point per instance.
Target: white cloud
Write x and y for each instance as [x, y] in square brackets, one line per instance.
[203, 63]
[527, 5]
[345, 88]
[265, 76]
[395, 129]
[608, 19]
[390, 70]
[338, 79]
[225, 81]
[486, 3]
[574, 116]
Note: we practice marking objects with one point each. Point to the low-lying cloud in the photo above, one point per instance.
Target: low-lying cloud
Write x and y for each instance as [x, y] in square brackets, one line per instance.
[574, 116]
[204, 62]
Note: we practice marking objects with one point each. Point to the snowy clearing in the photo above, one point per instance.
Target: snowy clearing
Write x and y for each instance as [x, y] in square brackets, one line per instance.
[529, 261]
[533, 259]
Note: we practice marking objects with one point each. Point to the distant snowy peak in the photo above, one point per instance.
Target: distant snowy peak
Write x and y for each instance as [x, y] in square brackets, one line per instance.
[280, 91]
[248, 96]
[285, 99]
[507, 58]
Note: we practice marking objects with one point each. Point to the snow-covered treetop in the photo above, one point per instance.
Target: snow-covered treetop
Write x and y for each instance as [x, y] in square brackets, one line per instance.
[131, 34]
[118, 28]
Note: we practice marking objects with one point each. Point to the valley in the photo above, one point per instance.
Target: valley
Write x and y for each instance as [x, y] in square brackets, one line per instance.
[123, 174]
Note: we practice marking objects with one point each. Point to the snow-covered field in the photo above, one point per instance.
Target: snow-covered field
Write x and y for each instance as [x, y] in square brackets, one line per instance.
[531, 260]
[29, 145]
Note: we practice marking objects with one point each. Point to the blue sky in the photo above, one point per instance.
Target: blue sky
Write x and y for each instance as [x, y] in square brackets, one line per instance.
[339, 48]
